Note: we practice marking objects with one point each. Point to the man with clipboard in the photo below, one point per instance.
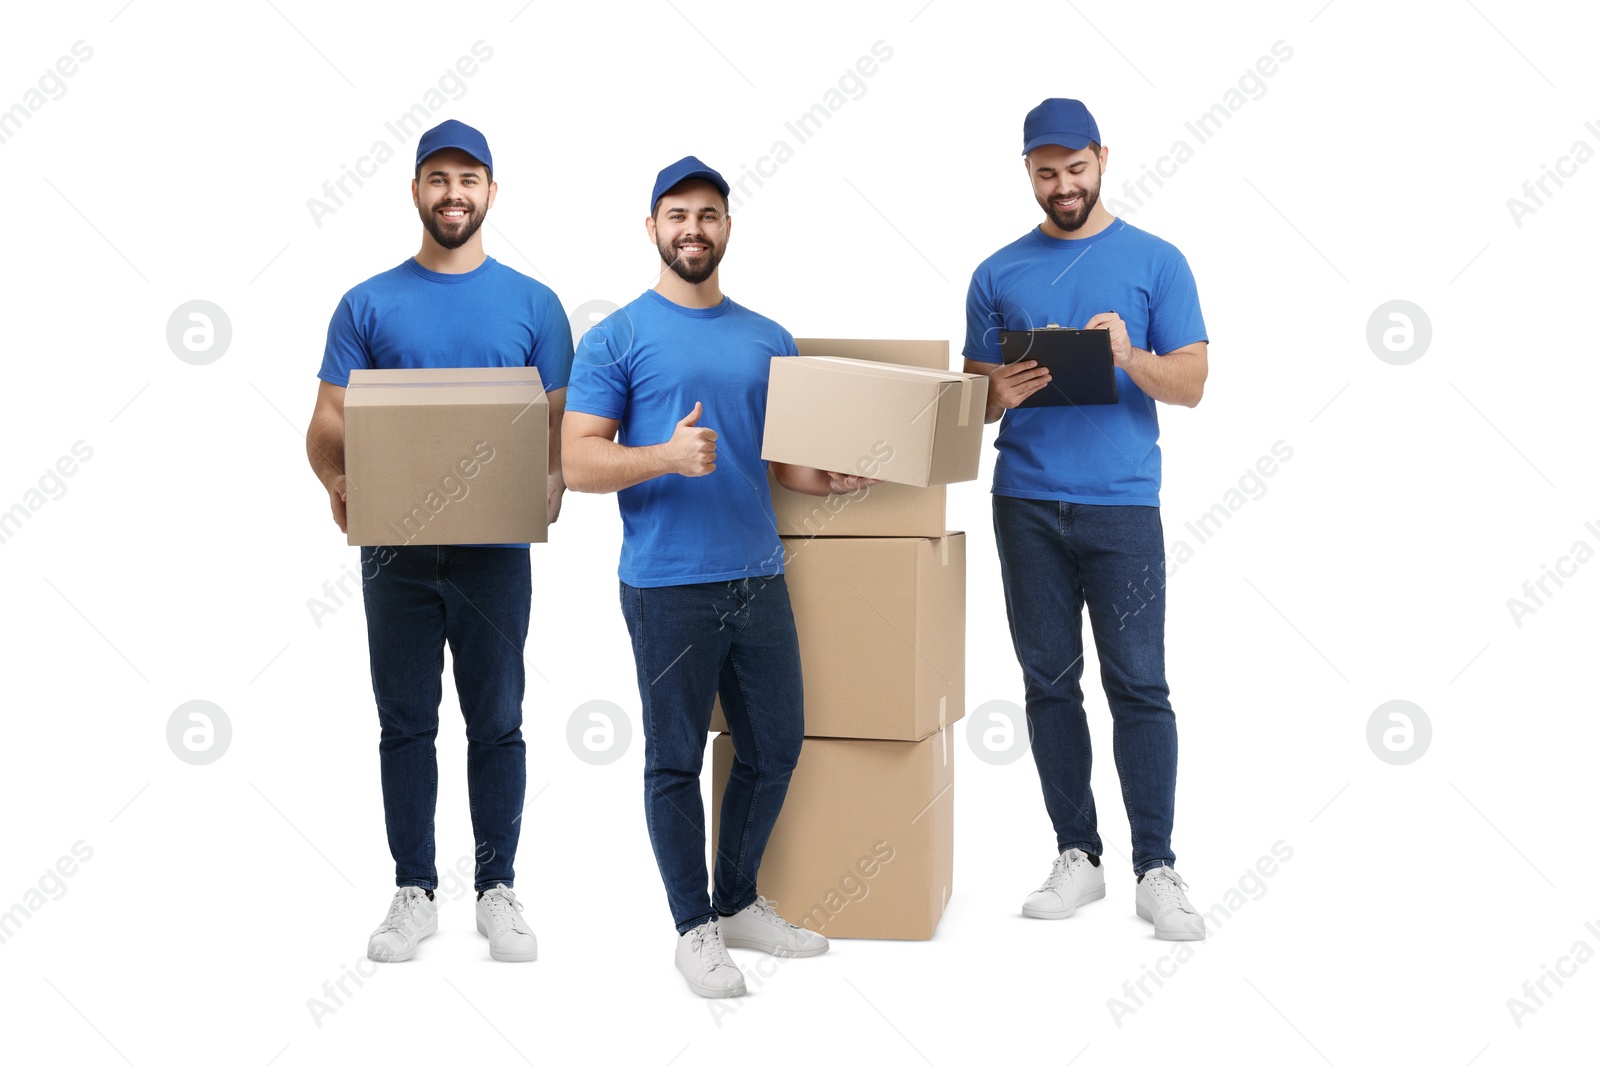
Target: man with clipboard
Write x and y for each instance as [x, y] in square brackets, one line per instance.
[1077, 501]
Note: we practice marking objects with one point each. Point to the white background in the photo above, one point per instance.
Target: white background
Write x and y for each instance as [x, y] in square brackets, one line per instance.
[1377, 565]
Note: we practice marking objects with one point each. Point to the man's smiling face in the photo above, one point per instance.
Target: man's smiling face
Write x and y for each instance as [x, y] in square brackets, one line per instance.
[453, 193]
[691, 229]
[1066, 182]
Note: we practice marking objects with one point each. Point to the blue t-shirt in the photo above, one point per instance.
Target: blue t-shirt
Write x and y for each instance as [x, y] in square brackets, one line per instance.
[1096, 454]
[645, 365]
[410, 317]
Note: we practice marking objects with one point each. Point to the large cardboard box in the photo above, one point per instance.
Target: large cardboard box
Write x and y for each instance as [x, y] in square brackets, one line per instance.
[446, 456]
[910, 425]
[883, 510]
[865, 844]
[886, 510]
[882, 626]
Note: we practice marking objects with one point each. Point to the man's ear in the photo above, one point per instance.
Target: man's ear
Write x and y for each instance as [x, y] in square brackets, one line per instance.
[494, 187]
[650, 228]
[414, 201]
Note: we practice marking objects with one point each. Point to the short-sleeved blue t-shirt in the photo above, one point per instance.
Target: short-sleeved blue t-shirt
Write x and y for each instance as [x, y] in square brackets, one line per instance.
[645, 365]
[1096, 454]
[410, 317]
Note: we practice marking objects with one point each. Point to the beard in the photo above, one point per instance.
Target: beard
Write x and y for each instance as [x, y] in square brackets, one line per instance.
[1072, 220]
[457, 234]
[693, 273]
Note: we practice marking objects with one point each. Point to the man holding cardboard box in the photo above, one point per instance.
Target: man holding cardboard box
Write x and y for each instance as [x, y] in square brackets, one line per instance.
[449, 306]
[1076, 506]
[667, 402]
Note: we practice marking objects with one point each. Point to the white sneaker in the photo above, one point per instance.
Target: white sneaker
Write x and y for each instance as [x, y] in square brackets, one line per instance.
[500, 920]
[1159, 899]
[412, 917]
[762, 928]
[1073, 881]
[703, 959]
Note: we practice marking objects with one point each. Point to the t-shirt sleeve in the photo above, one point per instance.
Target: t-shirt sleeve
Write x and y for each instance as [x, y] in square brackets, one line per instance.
[347, 348]
[552, 343]
[599, 380]
[786, 345]
[1175, 318]
[984, 322]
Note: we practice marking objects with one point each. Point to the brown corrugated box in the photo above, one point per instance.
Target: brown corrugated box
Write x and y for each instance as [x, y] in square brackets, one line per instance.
[882, 627]
[446, 456]
[910, 425]
[886, 510]
[865, 844]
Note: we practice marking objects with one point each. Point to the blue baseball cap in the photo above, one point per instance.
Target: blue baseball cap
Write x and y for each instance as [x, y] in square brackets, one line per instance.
[1059, 121]
[453, 134]
[681, 171]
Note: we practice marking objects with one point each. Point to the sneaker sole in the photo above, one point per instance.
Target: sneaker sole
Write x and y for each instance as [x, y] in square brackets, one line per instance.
[713, 993]
[774, 950]
[1098, 893]
[1169, 935]
[510, 957]
[401, 957]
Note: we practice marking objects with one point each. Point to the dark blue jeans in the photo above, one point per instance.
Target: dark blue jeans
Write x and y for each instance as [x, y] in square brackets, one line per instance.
[690, 644]
[418, 599]
[1055, 557]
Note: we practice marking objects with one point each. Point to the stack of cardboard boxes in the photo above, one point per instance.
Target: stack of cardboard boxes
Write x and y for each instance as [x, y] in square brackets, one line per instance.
[865, 842]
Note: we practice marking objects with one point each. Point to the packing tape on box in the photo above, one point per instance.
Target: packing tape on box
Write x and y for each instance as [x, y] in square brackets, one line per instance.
[944, 735]
[966, 401]
[434, 385]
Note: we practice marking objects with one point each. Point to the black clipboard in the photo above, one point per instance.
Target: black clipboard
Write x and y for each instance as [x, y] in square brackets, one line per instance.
[1082, 370]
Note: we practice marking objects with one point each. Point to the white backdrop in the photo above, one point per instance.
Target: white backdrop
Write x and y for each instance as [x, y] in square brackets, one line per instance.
[206, 905]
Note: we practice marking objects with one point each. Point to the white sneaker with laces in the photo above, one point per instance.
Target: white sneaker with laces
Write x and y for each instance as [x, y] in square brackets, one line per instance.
[703, 959]
[1159, 899]
[412, 917]
[500, 920]
[760, 927]
[1073, 881]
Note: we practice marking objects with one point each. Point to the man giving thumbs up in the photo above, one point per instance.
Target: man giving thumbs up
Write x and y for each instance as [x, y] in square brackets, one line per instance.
[665, 408]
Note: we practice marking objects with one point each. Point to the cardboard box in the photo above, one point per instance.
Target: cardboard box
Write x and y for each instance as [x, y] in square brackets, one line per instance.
[935, 355]
[910, 425]
[865, 844]
[882, 626]
[886, 510]
[446, 456]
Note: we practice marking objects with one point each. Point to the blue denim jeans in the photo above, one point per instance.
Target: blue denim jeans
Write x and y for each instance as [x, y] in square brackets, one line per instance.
[690, 644]
[1055, 557]
[476, 599]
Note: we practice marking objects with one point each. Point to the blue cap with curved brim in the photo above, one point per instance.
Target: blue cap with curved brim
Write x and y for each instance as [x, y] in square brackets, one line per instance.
[681, 171]
[453, 134]
[1059, 121]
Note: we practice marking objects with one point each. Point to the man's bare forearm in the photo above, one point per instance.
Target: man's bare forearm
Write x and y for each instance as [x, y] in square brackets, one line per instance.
[556, 475]
[325, 448]
[808, 480]
[1178, 377]
[595, 465]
